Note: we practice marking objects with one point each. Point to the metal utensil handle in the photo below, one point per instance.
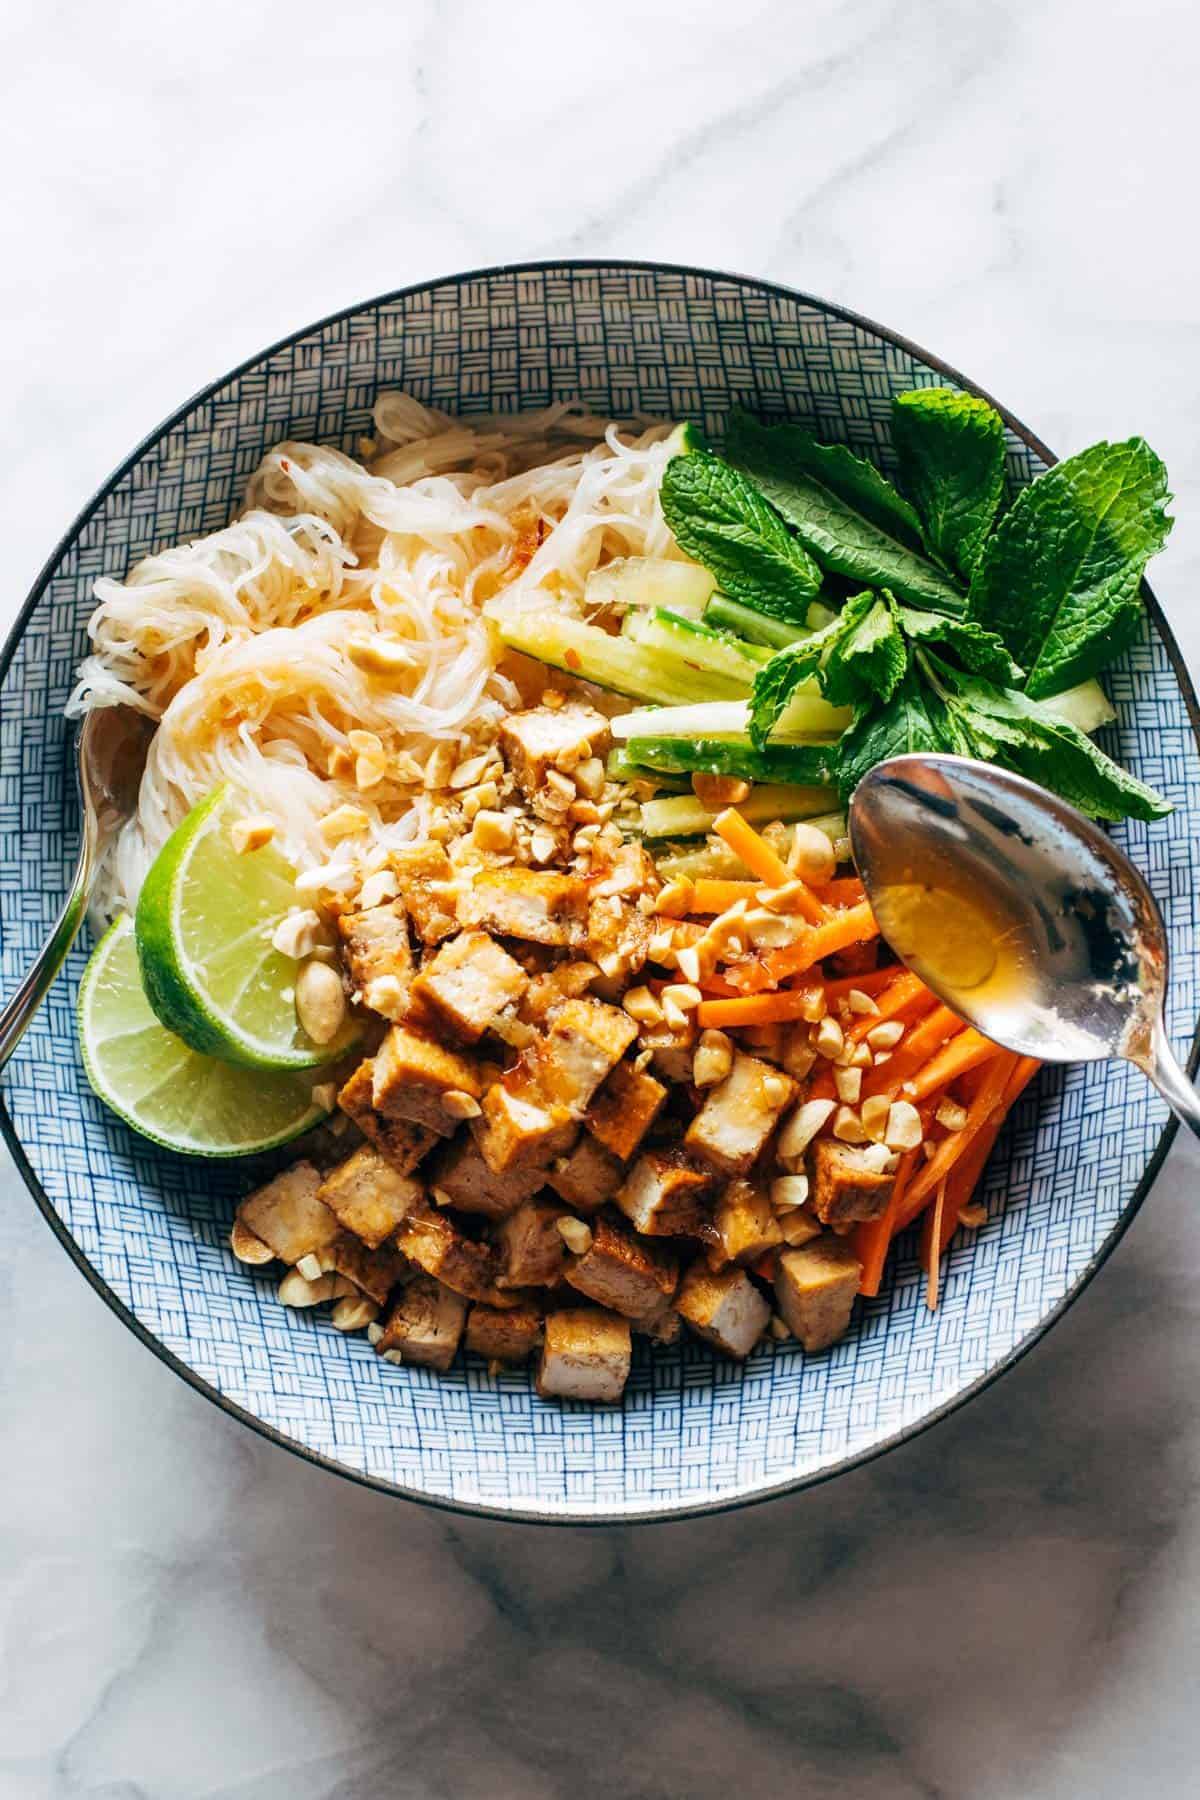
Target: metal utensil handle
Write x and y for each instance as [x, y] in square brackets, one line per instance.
[14, 1020]
[1162, 1066]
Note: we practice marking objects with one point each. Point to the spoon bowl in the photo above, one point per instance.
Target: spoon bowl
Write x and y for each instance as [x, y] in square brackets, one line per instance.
[1067, 948]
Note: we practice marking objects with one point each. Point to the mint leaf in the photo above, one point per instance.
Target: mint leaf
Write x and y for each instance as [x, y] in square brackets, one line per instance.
[778, 680]
[868, 657]
[1058, 580]
[951, 451]
[1005, 726]
[842, 521]
[910, 721]
[721, 520]
[978, 650]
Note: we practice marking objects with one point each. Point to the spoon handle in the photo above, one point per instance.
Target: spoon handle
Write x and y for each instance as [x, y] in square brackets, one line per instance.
[15, 1017]
[1162, 1066]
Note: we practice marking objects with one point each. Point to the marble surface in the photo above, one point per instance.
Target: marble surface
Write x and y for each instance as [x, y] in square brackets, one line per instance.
[1003, 1608]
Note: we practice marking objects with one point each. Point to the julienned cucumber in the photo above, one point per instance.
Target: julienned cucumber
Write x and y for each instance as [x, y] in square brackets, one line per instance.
[717, 860]
[733, 615]
[699, 646]
[642, 581]
[1087, 706]
[682, 815]
[621, 767]
[804, 763]
[619, 663]
[807, 715]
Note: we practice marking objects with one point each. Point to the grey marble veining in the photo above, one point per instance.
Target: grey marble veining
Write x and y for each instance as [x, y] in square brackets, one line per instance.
[1005, 1607]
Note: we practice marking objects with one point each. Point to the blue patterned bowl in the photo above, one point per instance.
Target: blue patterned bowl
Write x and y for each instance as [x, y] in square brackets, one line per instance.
[149, 1230]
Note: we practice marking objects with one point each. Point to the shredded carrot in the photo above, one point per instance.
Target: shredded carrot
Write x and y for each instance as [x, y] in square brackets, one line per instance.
[933, 1263]
[1027, 1067]
[718, 989]
[916, 1047]
[869, 982]
[843, 890]
[855, 925]
[989, 1100]
[713, 896]
[964, 1177]
[821, 1085]
[872, 1239]
[754, 850]
[755, 1009]
[966, 1051]
[907, 992]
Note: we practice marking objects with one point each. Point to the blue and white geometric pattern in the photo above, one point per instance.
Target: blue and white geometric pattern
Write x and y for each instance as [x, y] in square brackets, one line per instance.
[694, 1431]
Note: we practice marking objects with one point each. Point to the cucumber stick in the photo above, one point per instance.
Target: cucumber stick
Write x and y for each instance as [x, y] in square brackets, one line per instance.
[644, 581]
[776, 634]
[789, 763]
[717, 861]
[682, 815]
[699, 646]
[1087, 706]
[621, 767]
[619, 663]
[807, 715]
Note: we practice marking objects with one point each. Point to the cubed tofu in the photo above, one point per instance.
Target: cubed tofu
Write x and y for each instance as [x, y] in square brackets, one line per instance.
[745, 1225]
[402, 1141]
[843, 1189]
[531, 1250]
[618, 936]
[662, 1327]
[504, 1335]
[412, 1076]
[376, 943]
[815, 1287]
[665, 1194]
[624, 1108]
[369, 1197]
[546, 738]
[586, 1178]
[426, 878]
[435, 1244]
[542, 906]
[585, 1041]
[425, 1324]
[468, 984]
[461, 1172]
[739, 1115]
[672, 1053]
[288, 1215]
[724, 1308]
[585, 1356]
[623, 1272]
[376, 1272]
[518, 1130]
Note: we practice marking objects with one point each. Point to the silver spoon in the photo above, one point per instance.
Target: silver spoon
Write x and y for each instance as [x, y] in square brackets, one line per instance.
[110, 752]
[1075, 941]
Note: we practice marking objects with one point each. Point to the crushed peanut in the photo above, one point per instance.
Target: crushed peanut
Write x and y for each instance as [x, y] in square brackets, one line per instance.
[887, 1035]
[251, 834]
[248, 1247]
[675, 901]
[716, 791]
[387, 996]
[459, 1105]
[352, 1312]
[848, 1127]
[713, 1059]
[493, 831]
[828, 1039]
[848, 1083]
[788, 1191]
[641, 1005]
[951, 1115]
[378, 655]
[903, 1126]
[861, 1003]
[874, 1113]
[343, 822]
[802, 1127]
[377, 888]
[299, 934]
[576, 1235]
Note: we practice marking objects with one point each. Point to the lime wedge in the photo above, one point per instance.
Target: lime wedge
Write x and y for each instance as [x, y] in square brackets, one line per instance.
[166, 1091]
[204, 924]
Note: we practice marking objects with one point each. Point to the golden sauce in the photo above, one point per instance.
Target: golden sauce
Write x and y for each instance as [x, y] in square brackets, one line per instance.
[955, 934]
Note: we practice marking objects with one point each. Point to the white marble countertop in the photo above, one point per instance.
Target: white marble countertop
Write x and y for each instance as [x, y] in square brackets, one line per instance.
[1003, 1608]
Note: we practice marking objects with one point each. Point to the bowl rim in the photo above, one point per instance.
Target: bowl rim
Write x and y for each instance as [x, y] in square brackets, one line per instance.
[527, 1515]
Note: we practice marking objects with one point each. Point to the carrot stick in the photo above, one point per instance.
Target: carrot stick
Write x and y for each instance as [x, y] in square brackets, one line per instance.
[755, 1009]
[933, 1261]
[965, 1051]
[907, 990]
[843, 890]
[754, 850]
[964, 1177]
[821, 1084]
[717, 989]
[869, 982]
[873, 1239]
[713, 896]
[988, 1101]
[854, 925]
[916, 1047]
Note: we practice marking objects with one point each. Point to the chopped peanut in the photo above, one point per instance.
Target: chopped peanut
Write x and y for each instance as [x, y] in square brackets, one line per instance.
[861, 1003]
[828, 1038]
[788, 1191]
[903, 1126]
[887, 1035]
[713, 1059]
[875, 1110]
[847, 1126]
[252, 833]
[576, 1234]
[675, 900]
[848, 1083]
[951, 1115]
[343, 822]
[802, 1127]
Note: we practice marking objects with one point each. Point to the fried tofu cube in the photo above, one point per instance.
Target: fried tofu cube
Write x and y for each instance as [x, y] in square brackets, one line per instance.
[531, 1250]
[376, 1272]
[724, 1309]
[662, 1327]
[844, 1189]
[541, 906]
[622, 1272]
[672, 1053]
[426, 878]
[665, 1194]
[517, 1130]
[468, 984]
[376, 943]
[402, 1141]
[413, 1075]
[546, 738]
[587, 1177]
[745, 1225]
[462, 1173]
[585, 1042]
[504, 1335]
[288, 1214]
[618, 936]
[425, 1325]
[739, 1115]
[435, 1244]
[624, 1108]
[368, 1197]
[816, 1287]
[585, 1356]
